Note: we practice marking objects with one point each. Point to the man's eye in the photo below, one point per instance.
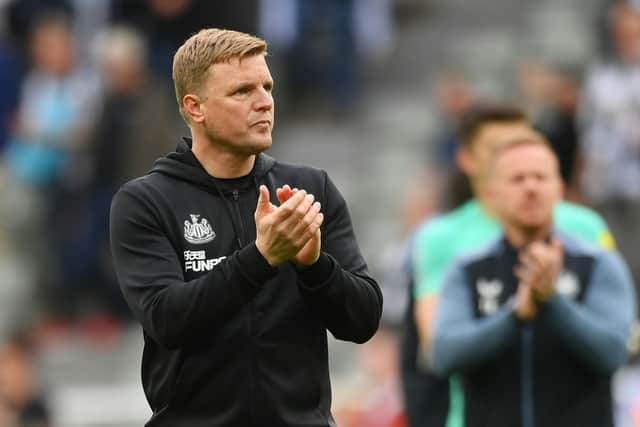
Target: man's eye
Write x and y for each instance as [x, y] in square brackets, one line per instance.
[242, 91]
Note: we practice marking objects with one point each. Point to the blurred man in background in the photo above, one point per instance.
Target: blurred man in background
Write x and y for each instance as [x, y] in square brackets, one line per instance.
[536, 323]
[47, 159]
[439, 240]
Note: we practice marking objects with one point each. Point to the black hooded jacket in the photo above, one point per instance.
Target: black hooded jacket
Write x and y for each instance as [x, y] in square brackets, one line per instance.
[230, 340]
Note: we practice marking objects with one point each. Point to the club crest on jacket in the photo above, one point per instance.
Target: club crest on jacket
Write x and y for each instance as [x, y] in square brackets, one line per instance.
[198, 232]
[489, 295]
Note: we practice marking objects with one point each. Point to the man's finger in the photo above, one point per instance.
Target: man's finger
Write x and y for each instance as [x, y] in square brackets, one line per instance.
[288, 208]
[284, 193]
[318, 222]
[528, 259]
[309, 216]
[522, 273]
[557, 246]
[538, 250]
[295, 223]
[264, 204]
[311, 229]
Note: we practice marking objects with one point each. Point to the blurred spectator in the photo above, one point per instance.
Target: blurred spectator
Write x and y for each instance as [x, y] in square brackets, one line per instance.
[323, 58]
[55, 111]
[122, 149]
[277, 23]
[21, 400]
[535, 83]
[374, 28]
[536, 322]
[610, 128]
[455, 96]
[322, 45]
[133, 95]
[89, 18]
[23, 15]
[166, 24]
[86, 18]
[46, 157]
[557, 91]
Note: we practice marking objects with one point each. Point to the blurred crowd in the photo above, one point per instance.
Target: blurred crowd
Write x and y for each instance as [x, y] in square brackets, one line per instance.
[86, 103]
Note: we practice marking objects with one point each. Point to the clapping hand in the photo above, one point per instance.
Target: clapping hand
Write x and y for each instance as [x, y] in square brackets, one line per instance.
[540, 265]
[291, 231]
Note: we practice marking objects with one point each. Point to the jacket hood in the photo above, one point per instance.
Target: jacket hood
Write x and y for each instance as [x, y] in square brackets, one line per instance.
[184, 165]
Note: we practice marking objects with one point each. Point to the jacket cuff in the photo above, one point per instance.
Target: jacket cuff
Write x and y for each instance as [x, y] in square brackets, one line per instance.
[254, 267]
[317, 275]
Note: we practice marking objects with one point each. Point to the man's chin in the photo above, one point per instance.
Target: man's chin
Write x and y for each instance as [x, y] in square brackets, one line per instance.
[257, 147]
[532, 224]
[263, 145]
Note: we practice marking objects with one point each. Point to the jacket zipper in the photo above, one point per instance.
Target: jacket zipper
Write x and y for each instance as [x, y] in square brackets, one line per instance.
[241, 241]
[236, 207]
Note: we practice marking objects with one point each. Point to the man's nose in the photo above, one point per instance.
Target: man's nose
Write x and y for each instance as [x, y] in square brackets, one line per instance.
[532, 184]
[264, 100]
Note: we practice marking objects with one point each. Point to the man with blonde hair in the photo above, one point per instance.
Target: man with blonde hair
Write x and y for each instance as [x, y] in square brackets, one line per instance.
[537, 322]
[438, 401]
[236, 264]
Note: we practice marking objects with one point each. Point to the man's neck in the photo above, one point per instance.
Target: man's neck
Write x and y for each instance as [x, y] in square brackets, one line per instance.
[221, 163]
[482, 198]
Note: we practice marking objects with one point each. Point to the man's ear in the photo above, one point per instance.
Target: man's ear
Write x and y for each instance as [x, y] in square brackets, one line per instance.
[192, 106]
[465, 160]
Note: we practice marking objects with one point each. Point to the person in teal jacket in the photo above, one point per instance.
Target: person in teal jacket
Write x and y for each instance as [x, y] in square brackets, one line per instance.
[443, 238]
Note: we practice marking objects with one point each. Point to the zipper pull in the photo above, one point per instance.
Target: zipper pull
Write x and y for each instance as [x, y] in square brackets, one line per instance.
[235, 195]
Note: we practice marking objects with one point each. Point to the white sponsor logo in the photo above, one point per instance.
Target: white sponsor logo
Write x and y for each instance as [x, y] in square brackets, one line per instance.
[488, 293]
[198, 232]
[197, 261]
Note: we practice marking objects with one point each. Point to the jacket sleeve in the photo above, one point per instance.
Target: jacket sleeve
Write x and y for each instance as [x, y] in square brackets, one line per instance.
[338, 286]
[461, 339]
[597, 330]
[175, 312]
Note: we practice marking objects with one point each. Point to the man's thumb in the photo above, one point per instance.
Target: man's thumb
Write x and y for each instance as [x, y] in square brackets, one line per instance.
[263, 199]
[557, 246]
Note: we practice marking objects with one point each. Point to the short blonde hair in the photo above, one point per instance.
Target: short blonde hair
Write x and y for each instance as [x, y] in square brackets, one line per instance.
[533, 138]
[210, 46]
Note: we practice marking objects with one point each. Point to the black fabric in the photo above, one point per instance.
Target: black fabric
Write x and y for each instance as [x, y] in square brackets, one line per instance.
[230, 340]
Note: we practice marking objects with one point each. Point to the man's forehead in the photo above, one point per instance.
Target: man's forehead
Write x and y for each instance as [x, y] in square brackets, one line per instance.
[525, 155]
[235, 69]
